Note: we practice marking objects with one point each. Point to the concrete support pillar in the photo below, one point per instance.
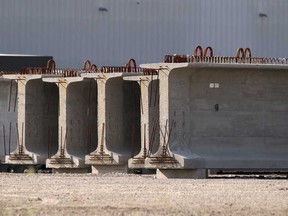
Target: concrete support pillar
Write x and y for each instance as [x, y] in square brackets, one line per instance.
[77, 119]
[163, 158]
[21, 155]
[115, 124]
[101, 154]
[149, 115]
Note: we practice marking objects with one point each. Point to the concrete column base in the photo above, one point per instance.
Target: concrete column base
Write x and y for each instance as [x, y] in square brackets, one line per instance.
[181, 173]
[105, 169]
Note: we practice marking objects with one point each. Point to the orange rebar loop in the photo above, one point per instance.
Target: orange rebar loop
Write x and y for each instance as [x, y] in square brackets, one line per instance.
[88, 67]
[128, 68]
[242, 56]
[198, 56]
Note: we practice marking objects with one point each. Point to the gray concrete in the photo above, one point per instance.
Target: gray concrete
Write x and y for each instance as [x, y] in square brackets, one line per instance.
[8, 117]
[247, 131]
[77, 131]
[105, 169]
[181, 173]
[149, 117]
[118, 121]
[34, 120]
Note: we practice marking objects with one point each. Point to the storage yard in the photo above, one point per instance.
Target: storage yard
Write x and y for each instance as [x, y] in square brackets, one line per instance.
[123, 194]
[87, 130]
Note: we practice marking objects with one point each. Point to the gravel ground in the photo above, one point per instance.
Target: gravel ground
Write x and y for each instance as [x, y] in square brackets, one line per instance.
[124, 194]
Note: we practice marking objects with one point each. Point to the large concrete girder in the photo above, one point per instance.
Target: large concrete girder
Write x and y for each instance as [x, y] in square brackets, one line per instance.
[230, 116]
[118, 109]
[76, 122]
[32, 120]
[149, 118]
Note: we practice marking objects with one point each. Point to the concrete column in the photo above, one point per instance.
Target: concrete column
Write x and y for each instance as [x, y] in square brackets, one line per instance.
[115, 102]
[21, 155]
[149, 114]
[163, 158]
[74, 115]
[109, 108]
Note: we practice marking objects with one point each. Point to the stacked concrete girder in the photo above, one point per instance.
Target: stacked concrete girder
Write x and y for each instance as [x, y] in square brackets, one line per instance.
[8, 117]
[32, 121]
[76, 123]
[118, 122]
[149, 111]
[221, 116]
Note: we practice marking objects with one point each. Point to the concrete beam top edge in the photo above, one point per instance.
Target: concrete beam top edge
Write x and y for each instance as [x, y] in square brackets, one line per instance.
[100, 75]
[171, 66]
[63, 79]
[28, 76]
[140, 78]
[108, 75]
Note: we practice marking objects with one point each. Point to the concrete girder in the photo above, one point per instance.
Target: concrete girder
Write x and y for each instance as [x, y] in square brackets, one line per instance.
[76, 122]
[230, 116]
[115, 102]
[29, 128]
[149, 116]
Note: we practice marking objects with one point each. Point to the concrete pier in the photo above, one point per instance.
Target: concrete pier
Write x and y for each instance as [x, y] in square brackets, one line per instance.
[77, 131]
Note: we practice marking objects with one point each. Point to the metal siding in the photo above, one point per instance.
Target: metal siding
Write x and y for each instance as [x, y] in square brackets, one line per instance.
[74, 30]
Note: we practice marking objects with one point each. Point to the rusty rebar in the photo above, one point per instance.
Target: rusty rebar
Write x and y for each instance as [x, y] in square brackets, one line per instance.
[4, 143]
[10, 93]
[86, 65]
[145, 149]
[102, 140]
[15, 99]
[9, 144]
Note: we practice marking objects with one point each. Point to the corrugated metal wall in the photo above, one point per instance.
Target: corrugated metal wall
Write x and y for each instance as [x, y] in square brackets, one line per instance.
[74, 30]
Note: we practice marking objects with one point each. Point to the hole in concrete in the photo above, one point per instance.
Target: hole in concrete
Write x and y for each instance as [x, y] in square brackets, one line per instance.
[41, 118]
[81, 118]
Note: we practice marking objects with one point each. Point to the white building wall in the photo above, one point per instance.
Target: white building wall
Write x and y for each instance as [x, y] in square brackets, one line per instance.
[74, 30]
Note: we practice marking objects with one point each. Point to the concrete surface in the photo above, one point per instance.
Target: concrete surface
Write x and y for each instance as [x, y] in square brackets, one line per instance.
[192, 116]
[8, 117]
[149, 115]
[118, 121]
[32, 121]
[76, 121]
[246, 130]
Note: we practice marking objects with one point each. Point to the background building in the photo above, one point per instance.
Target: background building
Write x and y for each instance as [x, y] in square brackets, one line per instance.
[108, 32]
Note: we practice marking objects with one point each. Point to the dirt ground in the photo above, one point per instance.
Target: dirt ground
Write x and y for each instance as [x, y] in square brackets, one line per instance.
[127, 194]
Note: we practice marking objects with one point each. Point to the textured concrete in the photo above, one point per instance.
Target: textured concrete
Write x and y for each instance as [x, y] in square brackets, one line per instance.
[222, 116]
[76, 122]
[105, 169]
[149, 115]
[181, 173]
[118, 121]
[33, 120]
[8, 117]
